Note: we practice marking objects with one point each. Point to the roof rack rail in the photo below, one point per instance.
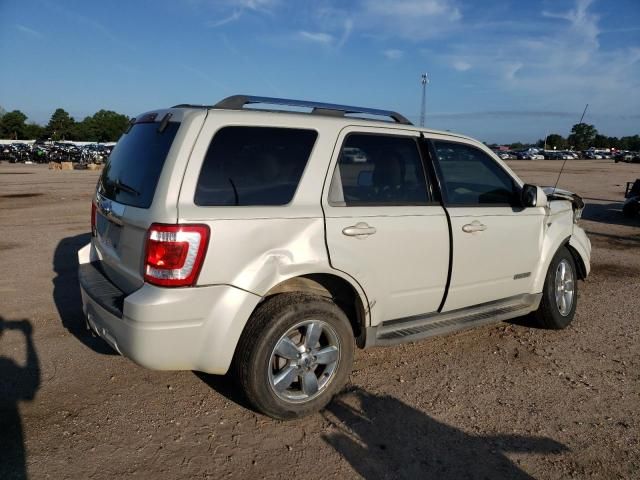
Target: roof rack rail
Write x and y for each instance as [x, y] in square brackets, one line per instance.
[237, 102]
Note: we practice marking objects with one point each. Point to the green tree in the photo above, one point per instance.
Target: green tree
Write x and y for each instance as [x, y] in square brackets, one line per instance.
[60, 126]
[84, 131]
[557, 141]
[582, 136]
[33, 131]
[630, 143]
[516, 146]
[613, 142]
[12, 125]
[107, 125]
[600, 141]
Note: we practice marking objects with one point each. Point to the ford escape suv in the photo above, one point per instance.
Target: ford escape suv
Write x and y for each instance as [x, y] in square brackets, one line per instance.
[272, 243]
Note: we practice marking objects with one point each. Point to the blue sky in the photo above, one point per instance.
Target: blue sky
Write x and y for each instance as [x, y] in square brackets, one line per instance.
[500, 70]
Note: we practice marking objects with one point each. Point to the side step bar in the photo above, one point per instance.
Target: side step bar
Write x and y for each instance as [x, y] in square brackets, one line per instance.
[432, 324]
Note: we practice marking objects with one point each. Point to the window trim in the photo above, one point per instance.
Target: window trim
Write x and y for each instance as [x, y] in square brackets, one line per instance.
[304, 170]
[427, 178]
[441, 182]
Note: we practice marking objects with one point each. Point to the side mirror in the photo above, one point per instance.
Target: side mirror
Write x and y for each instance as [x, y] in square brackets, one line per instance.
[533, 196]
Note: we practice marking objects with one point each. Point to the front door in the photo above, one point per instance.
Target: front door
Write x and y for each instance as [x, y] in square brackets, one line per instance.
[496, 242]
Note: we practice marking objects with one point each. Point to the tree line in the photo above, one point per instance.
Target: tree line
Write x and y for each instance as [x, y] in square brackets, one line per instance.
[583, 136]
[102, 126]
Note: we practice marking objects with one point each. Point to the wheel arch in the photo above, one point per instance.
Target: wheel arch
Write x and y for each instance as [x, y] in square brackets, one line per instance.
[345, 295]
[579, 261]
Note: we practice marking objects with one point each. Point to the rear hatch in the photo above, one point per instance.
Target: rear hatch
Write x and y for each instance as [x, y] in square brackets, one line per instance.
[139, 186]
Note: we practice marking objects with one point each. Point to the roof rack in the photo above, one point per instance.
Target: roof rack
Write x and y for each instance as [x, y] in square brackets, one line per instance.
[237, 102]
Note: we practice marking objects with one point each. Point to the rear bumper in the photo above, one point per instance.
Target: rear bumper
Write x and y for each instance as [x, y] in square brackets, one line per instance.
[167, 328]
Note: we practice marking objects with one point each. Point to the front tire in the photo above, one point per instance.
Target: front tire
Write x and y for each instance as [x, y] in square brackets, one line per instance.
[294, 355]
[560, 292]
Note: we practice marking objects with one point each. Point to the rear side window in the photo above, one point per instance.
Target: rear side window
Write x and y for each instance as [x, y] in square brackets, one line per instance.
[131, 174]
[378, 170]
[253, 166]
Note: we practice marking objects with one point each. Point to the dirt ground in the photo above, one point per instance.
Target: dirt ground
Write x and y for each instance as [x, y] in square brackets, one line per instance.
[504, 401]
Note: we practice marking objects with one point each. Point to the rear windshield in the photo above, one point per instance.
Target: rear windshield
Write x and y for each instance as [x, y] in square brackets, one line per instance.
[131, 174]
[253, 166]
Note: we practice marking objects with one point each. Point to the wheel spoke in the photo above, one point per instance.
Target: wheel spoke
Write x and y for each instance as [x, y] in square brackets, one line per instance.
[285, 378]
[562, 305]
[327, 355]
[312, 334]
[568, 287]
[287, 349]
[563, 271]
[309, 383]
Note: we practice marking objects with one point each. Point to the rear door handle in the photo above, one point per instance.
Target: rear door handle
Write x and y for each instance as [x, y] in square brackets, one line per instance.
[360, 229]
[473, 227]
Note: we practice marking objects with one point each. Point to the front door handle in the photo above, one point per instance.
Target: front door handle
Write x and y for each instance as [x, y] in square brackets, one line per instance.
[473, 227]
[360, 229]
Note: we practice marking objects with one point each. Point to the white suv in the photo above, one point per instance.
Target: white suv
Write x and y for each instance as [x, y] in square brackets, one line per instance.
[274, 242]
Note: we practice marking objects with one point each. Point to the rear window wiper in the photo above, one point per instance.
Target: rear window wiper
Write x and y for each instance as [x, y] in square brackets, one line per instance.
[126, 188]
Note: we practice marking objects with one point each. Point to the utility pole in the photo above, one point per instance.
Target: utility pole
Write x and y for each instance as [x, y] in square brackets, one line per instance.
[424, 79]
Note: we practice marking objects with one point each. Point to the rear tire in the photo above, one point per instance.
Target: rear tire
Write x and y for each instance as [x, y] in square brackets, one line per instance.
[294, 355]
[560, 292]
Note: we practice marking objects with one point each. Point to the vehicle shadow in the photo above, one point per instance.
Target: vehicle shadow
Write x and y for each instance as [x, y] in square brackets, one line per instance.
[66, 292]
[226, 386]
[17, 383]
[609, 213]
[382, 437]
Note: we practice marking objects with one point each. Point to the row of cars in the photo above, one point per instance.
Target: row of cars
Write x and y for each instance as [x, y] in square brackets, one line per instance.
[540, 154]
[627, 157]
[45, 152]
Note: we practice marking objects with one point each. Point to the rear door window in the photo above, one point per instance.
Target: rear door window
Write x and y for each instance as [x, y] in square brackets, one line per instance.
[253, 166]
[132, 172]
[378, 170]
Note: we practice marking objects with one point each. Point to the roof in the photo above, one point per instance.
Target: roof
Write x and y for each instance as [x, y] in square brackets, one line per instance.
[345, 112]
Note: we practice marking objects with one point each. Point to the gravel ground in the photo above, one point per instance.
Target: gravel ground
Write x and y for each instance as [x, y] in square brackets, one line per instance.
[502, 401]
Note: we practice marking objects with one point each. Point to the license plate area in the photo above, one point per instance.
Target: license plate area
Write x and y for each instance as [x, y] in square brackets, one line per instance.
[108, 232]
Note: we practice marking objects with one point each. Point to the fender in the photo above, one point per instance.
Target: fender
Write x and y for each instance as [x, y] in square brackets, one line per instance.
[558, 230]
[582, 245]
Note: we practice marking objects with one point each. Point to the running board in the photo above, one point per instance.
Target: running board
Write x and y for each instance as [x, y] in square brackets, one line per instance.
[432, 324]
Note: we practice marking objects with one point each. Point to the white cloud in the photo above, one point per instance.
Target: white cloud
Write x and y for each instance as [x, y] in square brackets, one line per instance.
[409, 19]
[317, 37]
[566, 67]
[223, 21]
[393, 54]
[348, 27]
[461, 65]
[259, 5]
[29, 31]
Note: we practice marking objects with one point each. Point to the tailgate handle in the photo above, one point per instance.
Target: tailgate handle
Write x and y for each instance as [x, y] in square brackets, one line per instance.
[360, 229]
[473, 227]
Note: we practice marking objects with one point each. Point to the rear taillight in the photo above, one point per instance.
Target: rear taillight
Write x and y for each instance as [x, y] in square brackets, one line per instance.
[93, 219]
[174, 254]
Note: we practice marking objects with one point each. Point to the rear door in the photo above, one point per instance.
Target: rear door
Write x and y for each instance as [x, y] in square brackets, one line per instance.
[139, 186]
[382, 226]
[496, 242]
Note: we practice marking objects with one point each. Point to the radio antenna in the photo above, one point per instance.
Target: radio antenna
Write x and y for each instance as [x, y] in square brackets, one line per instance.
[565, 160]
